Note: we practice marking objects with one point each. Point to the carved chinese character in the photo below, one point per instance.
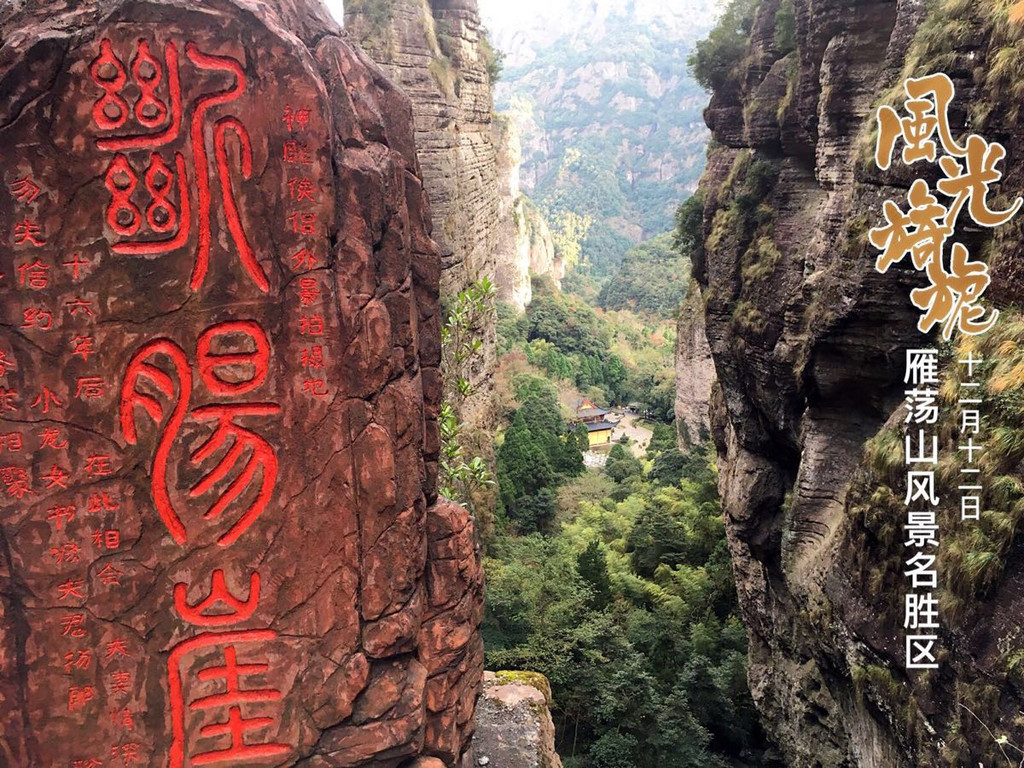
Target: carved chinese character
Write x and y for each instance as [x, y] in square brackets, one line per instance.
[36, 317]
[313, 358]
[77, 660]
[90, 387]
[83, 346]
[315, 387]
[66, 553]
[296, 153]
[245, 448]
[8, 400]
[120, 682]
[116, 649]
[71, 588]
[28, 232]
[76, 265]
[303, 223]
[11, 442]
[220, 597]
[128, 754]
[61, 515]
[73, 625]
[299, 117]
[76, 305]
[233, 673]
[50, 438]
[107, 539]
[6, 364]
[56, 478]
[312, 325]
[301, 189]
[98, 465]
[45, 399]
[110, 575]
[78, 697]
[304, 259]
[34, 274]
[309, 291]
[102, 502]
[123, 719]
[166, 178]
[17, 481]
[25, 190]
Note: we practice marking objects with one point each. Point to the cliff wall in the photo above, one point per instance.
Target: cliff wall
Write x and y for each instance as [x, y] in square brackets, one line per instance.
[809, 344]
[524, 242]
[435, 53]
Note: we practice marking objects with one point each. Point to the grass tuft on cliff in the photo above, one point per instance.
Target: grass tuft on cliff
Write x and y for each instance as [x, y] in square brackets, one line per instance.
[974, 555]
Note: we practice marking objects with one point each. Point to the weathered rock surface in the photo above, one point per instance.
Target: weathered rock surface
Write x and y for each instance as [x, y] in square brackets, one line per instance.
[695, 371]
[514, 726]
[809, 347]
[433, 51]
[524, 244]
[220, 537]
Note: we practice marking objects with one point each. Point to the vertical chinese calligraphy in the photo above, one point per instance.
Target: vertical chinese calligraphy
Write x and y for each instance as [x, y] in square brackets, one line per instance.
[245, 448]
[176, 149]
[951, 301]
[956, 283]
[227, 643]
[303, 193]
[921, 455]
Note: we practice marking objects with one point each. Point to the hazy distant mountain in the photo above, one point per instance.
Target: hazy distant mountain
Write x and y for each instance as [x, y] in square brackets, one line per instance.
[611, 120]
[522, 29]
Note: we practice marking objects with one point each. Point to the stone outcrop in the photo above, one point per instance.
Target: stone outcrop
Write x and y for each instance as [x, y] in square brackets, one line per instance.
[809, 347]
[435, 53]
[695, 371]
[514, 726]
[524, 244]
[220, 534]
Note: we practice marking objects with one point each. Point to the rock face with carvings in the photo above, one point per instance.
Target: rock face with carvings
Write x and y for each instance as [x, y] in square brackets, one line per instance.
[220, 536]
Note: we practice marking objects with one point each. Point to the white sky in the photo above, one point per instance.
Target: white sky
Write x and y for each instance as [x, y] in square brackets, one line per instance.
[335, 7]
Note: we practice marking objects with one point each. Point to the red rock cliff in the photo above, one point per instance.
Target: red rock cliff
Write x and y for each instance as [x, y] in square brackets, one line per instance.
[220, 536]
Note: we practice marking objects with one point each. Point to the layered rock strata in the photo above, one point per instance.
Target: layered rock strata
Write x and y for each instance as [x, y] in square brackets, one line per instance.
[809, 345]
[435, 53]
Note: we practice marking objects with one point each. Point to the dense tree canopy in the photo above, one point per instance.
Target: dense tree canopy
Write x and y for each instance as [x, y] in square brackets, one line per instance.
[629, 608]
[652, 279]
[538, 452]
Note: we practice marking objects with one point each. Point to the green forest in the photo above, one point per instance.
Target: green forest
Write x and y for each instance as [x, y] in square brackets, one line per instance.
[622, 596]
[613, 135]
[614, 583]
[612, 579]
